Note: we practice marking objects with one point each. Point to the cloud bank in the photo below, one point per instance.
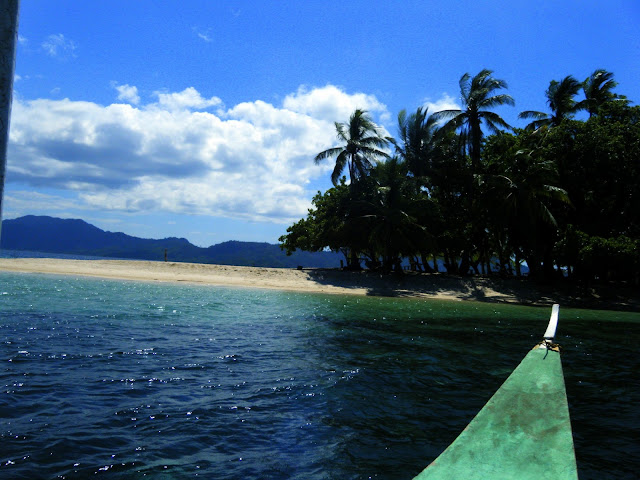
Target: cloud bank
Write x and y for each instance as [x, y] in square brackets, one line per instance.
[182, 152]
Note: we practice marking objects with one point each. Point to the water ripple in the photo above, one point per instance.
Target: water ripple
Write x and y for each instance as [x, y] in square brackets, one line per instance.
[124, 380]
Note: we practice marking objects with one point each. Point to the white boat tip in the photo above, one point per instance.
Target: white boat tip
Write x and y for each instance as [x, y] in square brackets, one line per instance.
[550, 333]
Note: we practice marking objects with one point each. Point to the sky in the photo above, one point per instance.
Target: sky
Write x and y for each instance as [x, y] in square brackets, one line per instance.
[201, 119]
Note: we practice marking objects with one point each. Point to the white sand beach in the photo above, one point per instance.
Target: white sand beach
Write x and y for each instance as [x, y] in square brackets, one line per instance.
[327, 281]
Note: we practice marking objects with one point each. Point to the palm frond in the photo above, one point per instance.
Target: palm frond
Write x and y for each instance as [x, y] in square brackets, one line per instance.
[494, 121]
[561, 98]
[541, 119]
[598, 89]
[465, 86]
[373, 153]
[455, 122]
[329, 153]
[341, 163]
[559, 194]
[341, 132]
[533, 114]
[446, 114]
[497, 101]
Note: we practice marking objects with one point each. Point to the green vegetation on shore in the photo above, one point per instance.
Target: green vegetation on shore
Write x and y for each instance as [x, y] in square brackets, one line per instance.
[463, 189]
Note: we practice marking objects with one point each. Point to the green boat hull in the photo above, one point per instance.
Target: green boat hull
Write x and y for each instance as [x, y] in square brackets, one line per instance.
[523, 431]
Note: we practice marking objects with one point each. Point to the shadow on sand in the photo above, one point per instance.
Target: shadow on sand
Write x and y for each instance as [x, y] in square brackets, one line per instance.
[477, 288]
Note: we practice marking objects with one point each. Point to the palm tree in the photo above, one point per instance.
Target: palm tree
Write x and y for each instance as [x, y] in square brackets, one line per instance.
[363, 143]
[477, 99]
[417, 135]
[522, 196]
[560, 98]
[424, 157]
[598, 89]
[388, 213]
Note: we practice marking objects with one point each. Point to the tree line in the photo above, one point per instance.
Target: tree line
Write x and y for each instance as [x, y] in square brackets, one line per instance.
[464, 190]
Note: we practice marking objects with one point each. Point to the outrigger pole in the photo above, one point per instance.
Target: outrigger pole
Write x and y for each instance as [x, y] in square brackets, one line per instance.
[8, 39]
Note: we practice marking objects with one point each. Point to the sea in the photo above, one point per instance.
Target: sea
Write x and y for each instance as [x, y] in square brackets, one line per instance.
[124, 380]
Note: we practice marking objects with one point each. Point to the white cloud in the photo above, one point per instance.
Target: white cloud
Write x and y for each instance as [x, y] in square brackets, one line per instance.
[446, 102]
[206, 36]
[332, 104]
[25, 202]
[59, 46]
[127, 93]
[253, 161]
[189, 98]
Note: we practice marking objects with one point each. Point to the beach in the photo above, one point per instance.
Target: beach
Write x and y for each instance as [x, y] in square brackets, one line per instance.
[330, 281]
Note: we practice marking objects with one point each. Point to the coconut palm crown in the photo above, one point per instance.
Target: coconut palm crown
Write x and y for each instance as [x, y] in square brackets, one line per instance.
[477, 94]
[363, 144]
[417, 139]
[561, 100]
[598, 89]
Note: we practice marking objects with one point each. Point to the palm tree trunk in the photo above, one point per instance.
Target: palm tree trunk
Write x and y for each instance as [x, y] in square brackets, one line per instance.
[476, 134]
[8, 36]
[450, 265]
[465, 263]
[352, 171]
[354, 261]
[425, 262]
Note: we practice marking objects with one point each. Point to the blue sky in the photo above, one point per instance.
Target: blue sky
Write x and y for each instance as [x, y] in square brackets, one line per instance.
[200, 119]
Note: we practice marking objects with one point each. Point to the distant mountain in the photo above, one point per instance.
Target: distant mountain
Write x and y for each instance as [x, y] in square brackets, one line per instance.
[77, 237]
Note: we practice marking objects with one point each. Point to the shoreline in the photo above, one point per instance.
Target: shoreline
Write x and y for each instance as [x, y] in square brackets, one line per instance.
[439, 286]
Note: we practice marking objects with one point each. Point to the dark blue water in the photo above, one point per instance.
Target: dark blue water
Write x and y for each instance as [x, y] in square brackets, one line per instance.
[112, 379]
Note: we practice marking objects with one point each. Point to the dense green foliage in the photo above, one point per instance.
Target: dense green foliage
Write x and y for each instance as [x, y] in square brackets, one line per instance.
[466, 191]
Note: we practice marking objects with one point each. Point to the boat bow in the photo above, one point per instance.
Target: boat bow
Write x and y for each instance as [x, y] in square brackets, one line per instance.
[524, 430]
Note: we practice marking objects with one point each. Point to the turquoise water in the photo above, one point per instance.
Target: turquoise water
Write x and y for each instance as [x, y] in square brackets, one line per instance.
[114, 379]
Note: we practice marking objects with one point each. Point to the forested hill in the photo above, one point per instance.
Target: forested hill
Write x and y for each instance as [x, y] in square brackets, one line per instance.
[77, 237]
